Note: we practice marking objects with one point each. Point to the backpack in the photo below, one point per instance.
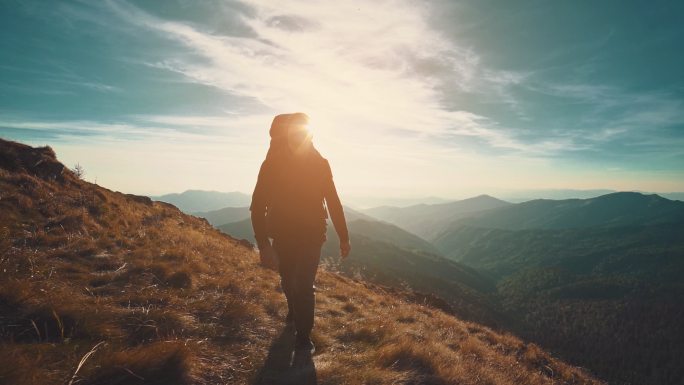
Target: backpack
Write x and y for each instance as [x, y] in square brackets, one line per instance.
[296, 208]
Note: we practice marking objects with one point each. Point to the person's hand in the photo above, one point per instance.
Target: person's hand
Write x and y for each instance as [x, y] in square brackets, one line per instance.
[268, 257]
[345, 248]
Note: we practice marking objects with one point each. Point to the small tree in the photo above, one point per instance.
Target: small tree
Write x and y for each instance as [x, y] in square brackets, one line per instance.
[79, 171]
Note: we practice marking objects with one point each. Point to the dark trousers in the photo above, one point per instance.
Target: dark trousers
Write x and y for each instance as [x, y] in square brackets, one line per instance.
[298, 262]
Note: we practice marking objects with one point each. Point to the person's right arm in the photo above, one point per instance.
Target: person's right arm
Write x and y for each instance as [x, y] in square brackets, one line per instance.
[258, 208]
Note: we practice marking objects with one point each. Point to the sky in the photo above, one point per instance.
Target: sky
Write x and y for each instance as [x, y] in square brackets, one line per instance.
[406, 98]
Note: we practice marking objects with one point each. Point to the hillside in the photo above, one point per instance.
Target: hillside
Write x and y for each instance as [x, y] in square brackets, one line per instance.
[605, 273]
[644, 252]
[100, 287]
[191, 201]
[427, 221]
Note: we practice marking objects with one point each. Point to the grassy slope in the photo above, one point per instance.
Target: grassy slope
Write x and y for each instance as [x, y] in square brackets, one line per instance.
[143, 294]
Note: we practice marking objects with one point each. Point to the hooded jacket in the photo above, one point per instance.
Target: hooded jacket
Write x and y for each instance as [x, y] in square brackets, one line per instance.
[292, 191]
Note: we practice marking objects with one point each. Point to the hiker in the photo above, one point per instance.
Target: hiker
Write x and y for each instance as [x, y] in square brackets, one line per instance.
[294, 186]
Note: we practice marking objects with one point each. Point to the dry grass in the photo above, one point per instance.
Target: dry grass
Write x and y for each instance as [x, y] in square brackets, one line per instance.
[159, 363]
[174, 301]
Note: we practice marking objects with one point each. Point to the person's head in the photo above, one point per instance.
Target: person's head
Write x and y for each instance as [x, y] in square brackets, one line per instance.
[291, 131]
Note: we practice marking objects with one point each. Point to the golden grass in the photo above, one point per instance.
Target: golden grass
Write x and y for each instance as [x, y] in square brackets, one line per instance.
[158, 363]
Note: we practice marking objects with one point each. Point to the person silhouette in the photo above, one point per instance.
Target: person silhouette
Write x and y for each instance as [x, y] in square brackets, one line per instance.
[293, 189]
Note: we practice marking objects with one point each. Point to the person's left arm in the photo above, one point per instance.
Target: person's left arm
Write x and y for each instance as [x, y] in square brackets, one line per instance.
[336, 211]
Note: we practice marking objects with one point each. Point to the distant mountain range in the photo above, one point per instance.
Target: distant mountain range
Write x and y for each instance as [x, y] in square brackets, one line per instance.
[528, 234]
[557, 194]
[616, 209]
[560, 194]
[224, 215]
[201, 201]
[370, 201]
[192, 201]
[428, 221]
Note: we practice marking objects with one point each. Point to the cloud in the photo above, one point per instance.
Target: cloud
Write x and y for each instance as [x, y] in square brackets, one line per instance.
[56, 81]
[145, 129]
[357, 67]
[75, 129]
[367, 73]
[613, 116]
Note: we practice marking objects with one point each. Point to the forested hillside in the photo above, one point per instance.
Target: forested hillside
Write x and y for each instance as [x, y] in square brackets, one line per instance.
[598, 280]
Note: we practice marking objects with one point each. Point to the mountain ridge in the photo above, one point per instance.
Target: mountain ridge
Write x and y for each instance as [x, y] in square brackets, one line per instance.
[425, 220]
[224, 215]
[614, 209]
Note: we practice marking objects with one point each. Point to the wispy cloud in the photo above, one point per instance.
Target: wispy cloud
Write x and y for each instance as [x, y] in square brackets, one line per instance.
[71, 129]
[83, 129]
[355, 66]
[55, 80]
[613, 115]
